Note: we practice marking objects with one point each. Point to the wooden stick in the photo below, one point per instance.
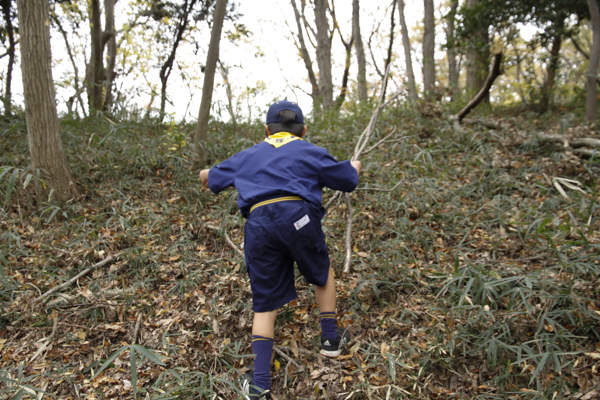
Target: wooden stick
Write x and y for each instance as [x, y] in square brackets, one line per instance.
[79, 275]
[494, 73]
[349, 211]
[358, 150]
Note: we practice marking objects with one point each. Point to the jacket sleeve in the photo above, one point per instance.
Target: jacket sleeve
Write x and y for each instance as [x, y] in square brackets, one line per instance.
[223, 175]
[337, 175]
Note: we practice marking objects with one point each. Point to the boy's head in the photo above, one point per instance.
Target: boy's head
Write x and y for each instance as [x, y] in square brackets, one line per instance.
[285, 116]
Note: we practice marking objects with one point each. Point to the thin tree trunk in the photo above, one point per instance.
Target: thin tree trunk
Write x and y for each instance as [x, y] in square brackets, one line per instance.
[7, 11]
[45, 145]
[95, 67]
[344, 89]
[78, 89]
[429, 50]
[167, 67]
[361, 78]
[225, 75]
[592, 72]
[324, 54]
[546, 95]
[453, 71]
[111, 34]
[316, 97]
[412, 86]
[388, 60]
[201, 133]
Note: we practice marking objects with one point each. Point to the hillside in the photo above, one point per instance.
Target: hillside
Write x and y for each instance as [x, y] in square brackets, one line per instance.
[474, 278]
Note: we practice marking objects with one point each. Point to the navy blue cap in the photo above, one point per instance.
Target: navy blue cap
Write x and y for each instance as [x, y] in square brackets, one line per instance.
[284, 105]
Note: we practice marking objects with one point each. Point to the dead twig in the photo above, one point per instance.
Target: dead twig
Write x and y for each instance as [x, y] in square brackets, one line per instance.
[76, 277]
[229, 241]
[381, 190]
[137, 329]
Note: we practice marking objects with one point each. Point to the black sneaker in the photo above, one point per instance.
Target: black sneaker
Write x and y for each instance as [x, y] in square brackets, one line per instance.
[251, 392]
[333, 347]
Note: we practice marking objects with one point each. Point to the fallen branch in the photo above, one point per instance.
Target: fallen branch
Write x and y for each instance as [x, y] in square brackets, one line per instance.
[482, 122]
[229, 241]
[494, 73]
[288, 358]
[303, 351]
[65, 299]
[575, 145]
[76, 277]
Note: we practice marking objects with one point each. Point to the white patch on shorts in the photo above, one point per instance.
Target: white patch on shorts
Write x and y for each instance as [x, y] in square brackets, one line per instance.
[301, 222]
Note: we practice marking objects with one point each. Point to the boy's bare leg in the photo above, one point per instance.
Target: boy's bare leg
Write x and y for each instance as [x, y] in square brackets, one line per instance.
[326, 294]
[264, 324]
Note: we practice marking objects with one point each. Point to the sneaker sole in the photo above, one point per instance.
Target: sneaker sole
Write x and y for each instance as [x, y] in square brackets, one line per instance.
[332, 353]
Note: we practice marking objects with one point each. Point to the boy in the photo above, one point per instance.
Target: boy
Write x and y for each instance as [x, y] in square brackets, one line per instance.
[279, 182]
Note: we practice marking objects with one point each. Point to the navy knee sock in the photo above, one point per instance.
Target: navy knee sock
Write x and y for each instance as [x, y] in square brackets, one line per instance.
[262, 347]
[328, 325]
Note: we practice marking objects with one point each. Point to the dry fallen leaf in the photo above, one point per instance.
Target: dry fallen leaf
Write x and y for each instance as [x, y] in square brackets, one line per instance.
[384, 348]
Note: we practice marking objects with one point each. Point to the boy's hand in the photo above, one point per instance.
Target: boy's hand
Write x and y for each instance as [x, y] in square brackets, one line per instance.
[204, 176]
[357, 165]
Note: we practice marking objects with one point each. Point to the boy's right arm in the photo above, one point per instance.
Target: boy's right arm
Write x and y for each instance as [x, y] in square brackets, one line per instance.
[204, 176]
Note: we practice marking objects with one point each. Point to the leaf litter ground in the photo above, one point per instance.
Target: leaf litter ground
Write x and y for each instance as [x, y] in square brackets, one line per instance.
[475, 278]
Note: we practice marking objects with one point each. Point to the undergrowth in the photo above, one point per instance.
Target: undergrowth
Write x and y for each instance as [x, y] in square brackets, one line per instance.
[473, 278]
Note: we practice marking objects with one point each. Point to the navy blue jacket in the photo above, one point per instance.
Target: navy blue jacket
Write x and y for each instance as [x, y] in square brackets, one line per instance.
[282, 165]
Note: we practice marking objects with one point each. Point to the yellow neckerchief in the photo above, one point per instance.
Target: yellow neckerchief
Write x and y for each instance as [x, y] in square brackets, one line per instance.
[279, 139]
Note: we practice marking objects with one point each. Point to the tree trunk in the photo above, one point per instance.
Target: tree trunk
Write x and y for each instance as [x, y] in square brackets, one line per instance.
[546, 95]
[477, 59]
[361, 78]
[324, 54]
[412, 87]
[592, 72]
[429, 50]
[45, 146]
[95, 67]
[453, 72]
[111, 34]
[201, 134]
[316, 97]
[7, 11]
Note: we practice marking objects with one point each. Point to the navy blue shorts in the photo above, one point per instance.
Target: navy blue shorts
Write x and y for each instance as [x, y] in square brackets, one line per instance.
[276, 235]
